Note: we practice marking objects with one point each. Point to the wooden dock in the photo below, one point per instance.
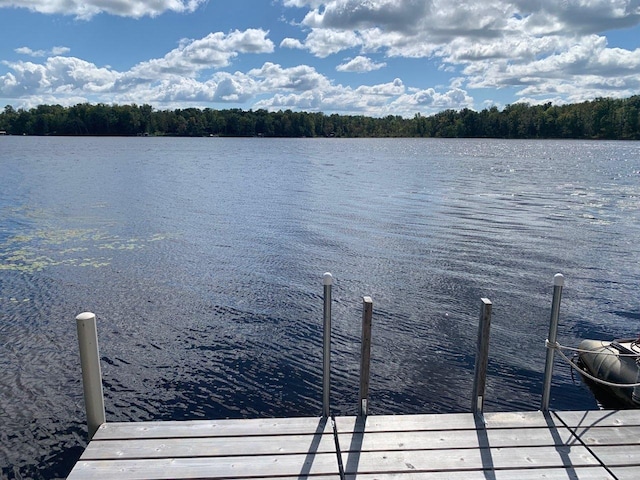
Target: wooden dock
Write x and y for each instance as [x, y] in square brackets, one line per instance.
[579, 445]
[576, 445]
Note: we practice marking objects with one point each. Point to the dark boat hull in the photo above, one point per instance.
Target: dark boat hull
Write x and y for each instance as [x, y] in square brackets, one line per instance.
[614, 362]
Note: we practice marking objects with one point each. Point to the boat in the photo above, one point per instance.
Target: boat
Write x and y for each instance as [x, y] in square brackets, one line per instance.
[615, 366]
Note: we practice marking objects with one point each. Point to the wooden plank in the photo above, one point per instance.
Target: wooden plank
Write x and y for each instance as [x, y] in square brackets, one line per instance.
[626, 473]
[600, 418]
[618, 456]
[609, 435]
[521, 419]
[213, 428]
[467, 459]
[442, 439]
[581, 473]
[450, 421]
[405, 423]
[294, 466]
[208, 447]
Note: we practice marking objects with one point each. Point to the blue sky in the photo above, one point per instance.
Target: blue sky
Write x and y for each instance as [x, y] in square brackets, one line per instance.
[369, 57]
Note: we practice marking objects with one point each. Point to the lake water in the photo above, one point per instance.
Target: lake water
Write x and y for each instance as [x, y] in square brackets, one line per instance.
[203, 260]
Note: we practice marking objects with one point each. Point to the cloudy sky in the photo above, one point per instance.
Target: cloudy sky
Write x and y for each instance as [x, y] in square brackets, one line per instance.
[371, 57]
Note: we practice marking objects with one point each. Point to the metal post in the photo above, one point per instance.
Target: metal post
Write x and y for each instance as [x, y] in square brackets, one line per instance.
[365, 354]
[482, 357]
[326, 380]
[91, 373]
[635, 395]
[558, 283]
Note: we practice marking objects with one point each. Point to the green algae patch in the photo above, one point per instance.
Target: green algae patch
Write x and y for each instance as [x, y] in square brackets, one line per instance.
[48, 248]
[14, 300]
[30, 260]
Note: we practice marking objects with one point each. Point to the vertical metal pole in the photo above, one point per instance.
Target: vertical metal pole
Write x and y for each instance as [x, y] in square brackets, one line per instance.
[365, 354]
[91, 373]
[482, 357]
[635, 395]
[558, 283]
[326, 379]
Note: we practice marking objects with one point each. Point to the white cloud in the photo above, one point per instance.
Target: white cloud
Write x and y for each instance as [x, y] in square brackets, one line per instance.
[291, 43]
[360, 64]
[60, 76]
[352, 14]
[300, 78]
[408, 28]
[29, 52]
[302, 3]
[60, 50]
[495, 43]
[213, 51]
[176, 90]
[582, 16]
[308, 101]
[374, 100]
[88, 8]
[173, 81]
[455, 98]
[391, 89]
[588, 66]
[324, 42]
[42, 53]
[172, 78]
[69, 80]
[229, 90]
[541, 50]
[446, 19]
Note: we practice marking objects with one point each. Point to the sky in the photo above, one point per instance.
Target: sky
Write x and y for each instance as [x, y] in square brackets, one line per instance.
[366, 57]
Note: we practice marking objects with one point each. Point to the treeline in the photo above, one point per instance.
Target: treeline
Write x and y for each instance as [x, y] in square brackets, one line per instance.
[603, 118]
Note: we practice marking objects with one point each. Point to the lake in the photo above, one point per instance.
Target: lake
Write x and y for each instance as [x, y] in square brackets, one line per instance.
[203, 260]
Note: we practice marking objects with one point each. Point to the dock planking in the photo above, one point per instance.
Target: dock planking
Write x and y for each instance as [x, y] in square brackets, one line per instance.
[583, 445]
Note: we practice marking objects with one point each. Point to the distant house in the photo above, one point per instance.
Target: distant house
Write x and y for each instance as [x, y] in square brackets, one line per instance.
[2, 132]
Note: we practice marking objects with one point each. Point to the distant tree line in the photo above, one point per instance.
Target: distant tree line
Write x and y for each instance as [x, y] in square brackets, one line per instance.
[603, 118]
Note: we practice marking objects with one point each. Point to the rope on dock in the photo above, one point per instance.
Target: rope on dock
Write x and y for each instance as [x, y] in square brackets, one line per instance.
[559, 348]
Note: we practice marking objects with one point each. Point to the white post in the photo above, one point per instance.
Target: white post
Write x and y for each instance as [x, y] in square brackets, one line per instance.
[365, 355]
[326, 344]
[558, 283]
[91, 373]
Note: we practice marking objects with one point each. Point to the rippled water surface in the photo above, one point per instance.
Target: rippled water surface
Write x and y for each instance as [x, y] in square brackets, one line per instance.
[203, 260]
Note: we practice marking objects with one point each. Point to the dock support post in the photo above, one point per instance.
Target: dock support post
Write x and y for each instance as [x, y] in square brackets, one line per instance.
[91, 373]
[482, 357]
[558, 283]
[326, 344]
[365, 355]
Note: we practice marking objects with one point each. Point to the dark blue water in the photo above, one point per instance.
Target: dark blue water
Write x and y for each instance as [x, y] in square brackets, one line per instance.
[203, 260]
